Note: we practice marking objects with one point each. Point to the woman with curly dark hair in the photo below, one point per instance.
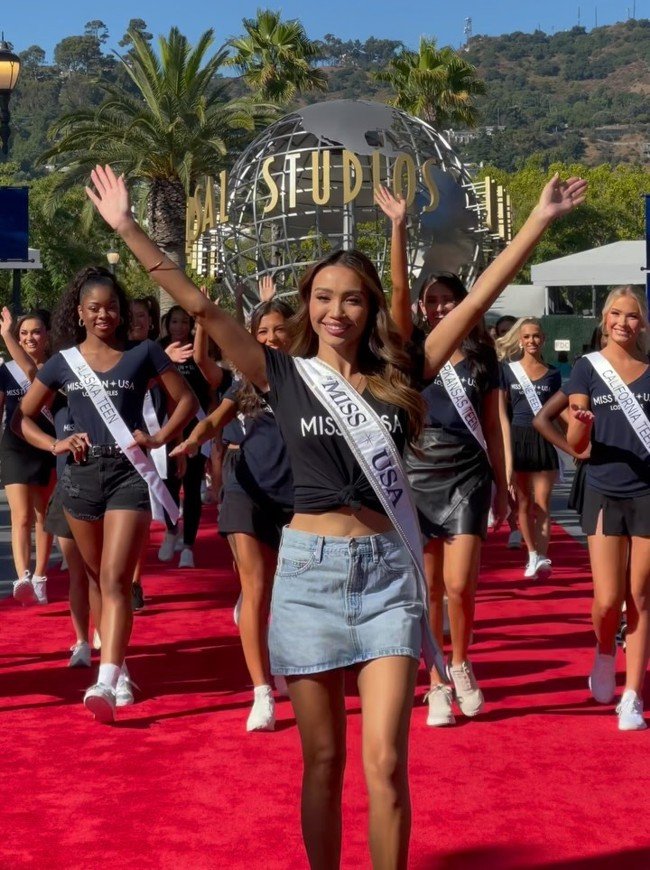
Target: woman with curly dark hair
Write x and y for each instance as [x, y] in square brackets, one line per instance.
[257, 503]
[348, 588]
[106, 483]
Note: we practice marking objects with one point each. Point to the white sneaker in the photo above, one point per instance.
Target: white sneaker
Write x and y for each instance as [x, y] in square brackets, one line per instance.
[530, 571]
[39, 584]
[167, 548]
[100, 701]
[180, 543]
[23, 589]
[544, 566]
[97, 641]
[440, 698]
[602, 680]
[187, 558]
[124, 690]
[514, 540]
[237, 609]
[262, 715]
[469, 696]
[80, 657]
[630, 712]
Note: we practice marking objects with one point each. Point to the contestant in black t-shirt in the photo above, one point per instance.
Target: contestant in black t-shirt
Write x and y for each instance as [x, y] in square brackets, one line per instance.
[203, 375]
[531, 462]
[27, 473]
[616, 510]
[105, 499]
[346, 591]
[450, 473]
[257, 503]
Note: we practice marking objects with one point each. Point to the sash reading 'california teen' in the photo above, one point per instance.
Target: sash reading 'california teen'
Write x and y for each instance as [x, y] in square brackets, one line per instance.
[626, 399]
[158, 492]
[375, 451]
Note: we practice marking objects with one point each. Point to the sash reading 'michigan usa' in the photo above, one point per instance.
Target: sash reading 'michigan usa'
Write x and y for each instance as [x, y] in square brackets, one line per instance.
[375, 451]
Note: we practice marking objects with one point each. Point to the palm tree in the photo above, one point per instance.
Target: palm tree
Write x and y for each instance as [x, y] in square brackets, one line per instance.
[276, 57]
[174, 127]
[436, 84]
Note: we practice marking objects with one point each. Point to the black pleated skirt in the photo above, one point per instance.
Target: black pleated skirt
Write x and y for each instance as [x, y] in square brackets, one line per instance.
[451, 481]
[532, 452]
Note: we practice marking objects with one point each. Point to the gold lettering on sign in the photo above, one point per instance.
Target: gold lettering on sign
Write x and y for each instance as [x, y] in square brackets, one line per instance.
[270, 181]
[292, 160]
[209, 220]
[376, 169]
[402, 162]
[223, 196]
[193, 219]
[320, 198]
[351, 163]
[432, 187]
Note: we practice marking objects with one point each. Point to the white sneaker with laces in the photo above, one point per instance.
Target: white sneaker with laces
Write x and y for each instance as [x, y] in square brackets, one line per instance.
[439, 698]
[469, 696]
[630, 712]
[39, 584]
[23, 590]
[187, 558]
[237, 609]
[530, 571]
[80, 657]
[602, 680]
[168, 546]
[262, 714]
[124, 696]
[100, 701]
[514, 539]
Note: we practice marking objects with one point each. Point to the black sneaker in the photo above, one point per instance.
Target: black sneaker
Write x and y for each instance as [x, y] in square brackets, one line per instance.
[137, 596]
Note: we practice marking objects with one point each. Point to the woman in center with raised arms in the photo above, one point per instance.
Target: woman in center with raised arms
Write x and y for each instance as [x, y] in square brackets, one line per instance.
[346, 592]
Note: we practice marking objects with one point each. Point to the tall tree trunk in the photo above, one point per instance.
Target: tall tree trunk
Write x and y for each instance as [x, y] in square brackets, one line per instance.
[166, 203]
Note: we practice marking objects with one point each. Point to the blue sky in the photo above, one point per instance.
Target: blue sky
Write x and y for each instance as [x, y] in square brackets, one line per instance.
[44, 23]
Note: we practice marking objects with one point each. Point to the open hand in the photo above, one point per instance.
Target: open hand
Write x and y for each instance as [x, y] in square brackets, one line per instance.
[6, 322]
[393, 207]
[266, 286]
[558, 198]
[185, 448]
[110, 197]
[179, 353]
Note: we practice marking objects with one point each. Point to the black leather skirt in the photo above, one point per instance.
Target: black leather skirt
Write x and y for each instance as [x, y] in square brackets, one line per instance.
[451, 481]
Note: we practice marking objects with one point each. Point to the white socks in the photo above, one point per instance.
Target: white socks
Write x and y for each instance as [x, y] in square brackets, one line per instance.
[109, 675]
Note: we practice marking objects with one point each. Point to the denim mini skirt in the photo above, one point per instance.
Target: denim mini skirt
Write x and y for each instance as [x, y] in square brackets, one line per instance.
[340, 601]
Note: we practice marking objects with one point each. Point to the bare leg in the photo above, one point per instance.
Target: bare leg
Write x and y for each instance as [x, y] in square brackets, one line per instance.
[461, 564]
[78, 593]
[608, 555]
[256, 568]
[137, 571]
[88, 537]
[319, 706]
[638, 604]
[386, 686]
[523, 487]
[543, 482]
[433, 566]
[21, 507]
[42, 539]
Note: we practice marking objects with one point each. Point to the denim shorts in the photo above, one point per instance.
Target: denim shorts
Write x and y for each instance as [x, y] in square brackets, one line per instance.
[340, 601]
[100, 484]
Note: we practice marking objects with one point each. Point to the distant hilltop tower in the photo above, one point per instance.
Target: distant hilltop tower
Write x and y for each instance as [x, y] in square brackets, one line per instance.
[467, 30]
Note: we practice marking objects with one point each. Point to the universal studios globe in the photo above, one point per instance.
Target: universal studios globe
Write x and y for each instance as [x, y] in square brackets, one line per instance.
[304, 187]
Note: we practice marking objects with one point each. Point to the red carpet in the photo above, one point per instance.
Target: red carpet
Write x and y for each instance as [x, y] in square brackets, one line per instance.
[542, 779]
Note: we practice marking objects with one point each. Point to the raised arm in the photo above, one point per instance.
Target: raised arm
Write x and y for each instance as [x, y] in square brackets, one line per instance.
[207, 366]
[111, 199]
[557, 199]
[400, 301]
[19, 356]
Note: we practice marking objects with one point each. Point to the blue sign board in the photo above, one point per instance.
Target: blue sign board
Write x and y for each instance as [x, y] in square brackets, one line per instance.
[14, 224]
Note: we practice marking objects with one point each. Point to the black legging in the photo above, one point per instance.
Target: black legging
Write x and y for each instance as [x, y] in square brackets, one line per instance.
[192, 505]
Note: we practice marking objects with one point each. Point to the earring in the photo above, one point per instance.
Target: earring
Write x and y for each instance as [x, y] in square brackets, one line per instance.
[81, 323]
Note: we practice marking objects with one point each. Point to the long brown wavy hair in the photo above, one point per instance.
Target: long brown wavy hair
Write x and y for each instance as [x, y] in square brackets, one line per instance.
[382, 357]
[248, 399]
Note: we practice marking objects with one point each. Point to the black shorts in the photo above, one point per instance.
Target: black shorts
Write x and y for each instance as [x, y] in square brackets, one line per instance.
[56, 522]
[20, 462]
[103, 483]
[627, 517]
[532, 452]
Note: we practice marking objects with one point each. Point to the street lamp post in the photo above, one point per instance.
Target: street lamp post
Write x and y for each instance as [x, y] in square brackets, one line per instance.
[113, 258]
[9, 70]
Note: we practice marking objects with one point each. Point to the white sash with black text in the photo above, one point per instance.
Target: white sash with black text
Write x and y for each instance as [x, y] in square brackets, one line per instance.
[375, 451]
[158, 454]
[24, 383]
[158, 492]
[626, 399]
[535, 404]
[456, 392]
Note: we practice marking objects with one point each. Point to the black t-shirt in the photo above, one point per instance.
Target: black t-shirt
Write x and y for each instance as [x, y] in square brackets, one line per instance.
[13, 393]
[441, 411]
[192, 374]
[126, 383]
[619, 464]
[265, 467]
[326, 476]
[545, 387]
[232, 433]
[64, 427]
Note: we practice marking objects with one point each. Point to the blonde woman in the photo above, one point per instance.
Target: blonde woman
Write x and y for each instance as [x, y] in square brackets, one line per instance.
[609, 395]
[532, 464]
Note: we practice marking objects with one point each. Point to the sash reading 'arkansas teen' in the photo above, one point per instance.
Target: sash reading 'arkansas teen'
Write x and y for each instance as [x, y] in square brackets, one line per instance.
[158, 492]
[456, 392]
[535, 404]
[24, 383]
[626, 399]
[375, 451]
